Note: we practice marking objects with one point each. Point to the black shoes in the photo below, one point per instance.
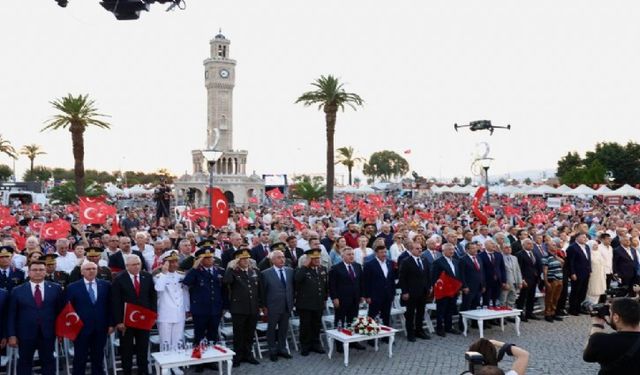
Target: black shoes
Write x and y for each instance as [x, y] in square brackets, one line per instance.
[440, 333]
[252, 360]
[453, 331]
[285, 355]
[549, 319]
[304, 353]
[273, 357]
[423, 335]
[532, 317]
[411, 339]
[558, 318]
[317, 349]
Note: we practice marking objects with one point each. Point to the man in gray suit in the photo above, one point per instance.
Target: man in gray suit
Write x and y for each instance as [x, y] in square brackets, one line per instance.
[514, 277]
[277, 297]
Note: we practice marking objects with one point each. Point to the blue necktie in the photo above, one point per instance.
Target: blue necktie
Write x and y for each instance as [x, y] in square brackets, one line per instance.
[282, 280]
[92, 294]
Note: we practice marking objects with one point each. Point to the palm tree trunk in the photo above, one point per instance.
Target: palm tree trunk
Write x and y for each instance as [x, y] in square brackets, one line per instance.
[31, 169]
[349, 169]
[330, 118]
[77, 138]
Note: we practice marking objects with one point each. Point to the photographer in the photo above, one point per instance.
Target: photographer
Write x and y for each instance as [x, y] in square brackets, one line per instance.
[487, 353]
[619, 352]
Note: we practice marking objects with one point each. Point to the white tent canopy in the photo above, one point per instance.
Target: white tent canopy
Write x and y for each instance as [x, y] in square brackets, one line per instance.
[137, 190]
[625, 191]
[563, 189]
[542, 190]
[113, 190]
[602, 190]
[581, 190]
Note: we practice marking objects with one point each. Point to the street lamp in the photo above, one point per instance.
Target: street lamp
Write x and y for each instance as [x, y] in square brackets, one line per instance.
[211, 157]
[485, 163]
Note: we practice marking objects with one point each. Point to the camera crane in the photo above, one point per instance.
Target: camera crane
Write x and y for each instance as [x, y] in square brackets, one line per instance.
[130, 9]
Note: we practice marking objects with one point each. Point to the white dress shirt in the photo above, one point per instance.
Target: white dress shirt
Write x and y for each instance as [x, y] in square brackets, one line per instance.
[67, 262]
[33, 289]
[279, 273]
[453, 268]
[383, 265]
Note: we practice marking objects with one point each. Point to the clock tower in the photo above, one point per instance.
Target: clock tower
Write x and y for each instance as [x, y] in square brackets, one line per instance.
[230, 170]
[219, 78]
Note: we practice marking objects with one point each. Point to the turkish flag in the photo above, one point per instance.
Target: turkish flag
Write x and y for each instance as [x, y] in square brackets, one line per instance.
[566, 208]
[196, 213]
[68, 323]
[220, 208]
[296, 223]
[115, 226]
[253, 200]
[139, 317]
[35, 207]
[54, 230]
[4, 211]
[92, 200]
[327, 204]
[347, 200]
[275, 194]
[315, 205]
[20, 241]
[7, 221]
[71, 208]
[95, 212]
[474, 205]
[243, 222]
[446, 286]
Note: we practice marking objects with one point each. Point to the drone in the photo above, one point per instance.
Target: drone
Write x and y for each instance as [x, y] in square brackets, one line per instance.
[481, 125]
[130, 9]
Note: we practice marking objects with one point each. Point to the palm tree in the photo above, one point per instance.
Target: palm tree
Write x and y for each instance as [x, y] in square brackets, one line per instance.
[31, 151]
[76, 113]
[7, 149]
[330, 96]
[346, 157]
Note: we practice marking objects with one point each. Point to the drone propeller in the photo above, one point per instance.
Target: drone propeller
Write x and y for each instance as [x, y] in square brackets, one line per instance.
[455, 126]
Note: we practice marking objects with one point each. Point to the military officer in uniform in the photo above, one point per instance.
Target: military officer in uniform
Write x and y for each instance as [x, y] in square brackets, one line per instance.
[243, 282]
[173, 303]
[187, 263]
[59, 277]
[207, 297]
[265, 263]
[93, 255]
[311, 287]
[10, 277]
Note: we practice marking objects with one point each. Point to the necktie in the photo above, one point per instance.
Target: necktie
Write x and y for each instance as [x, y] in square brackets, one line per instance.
[211, 272]
[5, 273]
[282, 280]
[420, 264]
[266, 250]
[293, 255]
[475, 262]
[156, 262]
[491, 257]
[37, 296]
[352, 274]
[92, 294]
[533, 259]
[136, 285]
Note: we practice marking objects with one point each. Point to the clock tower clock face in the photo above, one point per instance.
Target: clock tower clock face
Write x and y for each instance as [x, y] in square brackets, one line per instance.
[224, 73]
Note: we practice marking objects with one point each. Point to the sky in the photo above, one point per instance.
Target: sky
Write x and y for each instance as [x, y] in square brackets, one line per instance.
[563, 74]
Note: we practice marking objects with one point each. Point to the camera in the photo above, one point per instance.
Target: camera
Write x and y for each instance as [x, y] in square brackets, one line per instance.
[601, 310]
[474, 360]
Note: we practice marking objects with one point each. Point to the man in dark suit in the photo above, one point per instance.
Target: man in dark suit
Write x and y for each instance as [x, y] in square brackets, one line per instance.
[311, 284]
[446, 307]
[579, 259]
[262, 250]
[243, 282]
[494, 273]
[10, 277]
[136, 287]
[277, 298]
[90, 298]
[516, 247]
[430, 254]
[293, 252]
[345, 290]
[414, 281]
[33, 309]
[378, 282]
[624, 263]
[531, 268]
[4, 308]
[472, 277]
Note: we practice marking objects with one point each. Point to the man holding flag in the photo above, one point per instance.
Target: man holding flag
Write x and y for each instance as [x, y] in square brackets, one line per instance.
[446, 286]
[89, 300]
[134, 302]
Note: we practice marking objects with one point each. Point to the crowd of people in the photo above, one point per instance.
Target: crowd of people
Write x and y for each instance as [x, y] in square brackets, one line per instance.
[280, 260]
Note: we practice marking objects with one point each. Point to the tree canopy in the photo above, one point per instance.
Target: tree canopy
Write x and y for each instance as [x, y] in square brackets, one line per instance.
[386, 165]
[621, 162]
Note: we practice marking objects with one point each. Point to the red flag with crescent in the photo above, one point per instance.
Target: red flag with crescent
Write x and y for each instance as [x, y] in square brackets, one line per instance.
[476, 201]
[4, 211]
[275, 194]
[196, 213]
[55, 230]
[7, 221]
[139, 317]
[220, 208]
[243, 222]
[253, 200]
[68, 323]
[446, 286]
[95, 212]
[296, 223]
[92, 200]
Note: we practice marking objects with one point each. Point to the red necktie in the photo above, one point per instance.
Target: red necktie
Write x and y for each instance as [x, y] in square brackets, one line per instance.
[475, 261]
[37, 296]
[136, 285]
[156, 262]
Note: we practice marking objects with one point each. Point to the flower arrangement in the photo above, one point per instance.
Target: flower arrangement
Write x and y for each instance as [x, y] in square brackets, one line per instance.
[364, 325]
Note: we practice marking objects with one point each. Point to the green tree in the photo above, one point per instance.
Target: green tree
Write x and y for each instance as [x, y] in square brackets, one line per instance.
[346, 157]
[65, 193]
[568, 163]
[467, 181]
[386, 165]
[38, 173]
[455, 180]
[7, 149]
[76, 113]
[527, 181]
[622, 161]
[5, 172]
[330, 96]
[31, 151]
[308, 188]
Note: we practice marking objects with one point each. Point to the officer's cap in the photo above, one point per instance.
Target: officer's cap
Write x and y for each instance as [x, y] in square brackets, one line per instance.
[50, 259]
[169, 255]
[206, 243]
[93, 251]
[313, 253]
[241, 253]
[6, 251]
[206, 252]
[278, 246]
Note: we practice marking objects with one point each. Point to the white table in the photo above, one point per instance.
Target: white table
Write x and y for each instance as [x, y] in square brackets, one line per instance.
[485, 314]
[334, 334]
[167, 360]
